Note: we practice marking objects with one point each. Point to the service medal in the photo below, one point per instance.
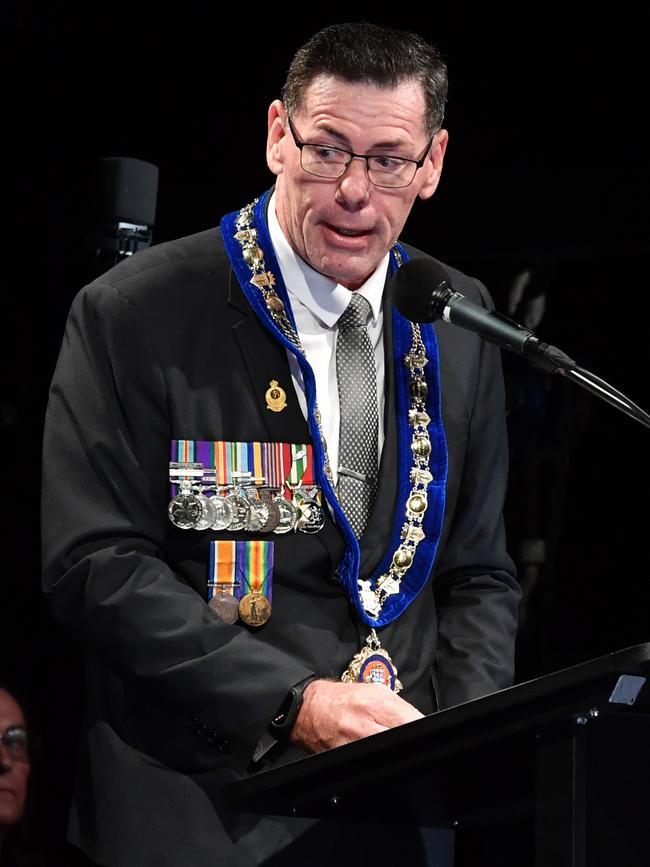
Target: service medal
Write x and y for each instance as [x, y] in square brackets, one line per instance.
[311, 518]
[240, 509]
[185, 510]
[273, 518]
[254, 608]
[207, 516]
[288, 516]
[222, 512]
[258, 515]
[225, 606]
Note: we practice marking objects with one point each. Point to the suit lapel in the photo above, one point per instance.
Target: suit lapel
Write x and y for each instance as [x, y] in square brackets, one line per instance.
[266, 360]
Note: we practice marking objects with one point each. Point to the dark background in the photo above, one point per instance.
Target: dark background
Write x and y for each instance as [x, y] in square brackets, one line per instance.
[547, 171]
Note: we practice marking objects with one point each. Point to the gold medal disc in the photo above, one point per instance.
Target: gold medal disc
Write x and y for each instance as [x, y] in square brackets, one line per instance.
[254, 608]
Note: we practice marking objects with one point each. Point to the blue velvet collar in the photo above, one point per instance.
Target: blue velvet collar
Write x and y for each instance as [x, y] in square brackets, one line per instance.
[415, 578]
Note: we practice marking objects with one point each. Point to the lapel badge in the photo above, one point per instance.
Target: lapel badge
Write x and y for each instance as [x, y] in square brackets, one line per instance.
[276, 397]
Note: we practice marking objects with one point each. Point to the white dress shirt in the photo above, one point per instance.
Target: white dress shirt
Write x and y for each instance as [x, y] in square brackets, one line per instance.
[317, 303]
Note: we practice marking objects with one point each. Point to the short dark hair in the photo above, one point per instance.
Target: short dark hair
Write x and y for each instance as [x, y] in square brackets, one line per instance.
[368, 53]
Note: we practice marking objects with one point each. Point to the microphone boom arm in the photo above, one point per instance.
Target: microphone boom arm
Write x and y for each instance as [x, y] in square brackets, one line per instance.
[455, 308]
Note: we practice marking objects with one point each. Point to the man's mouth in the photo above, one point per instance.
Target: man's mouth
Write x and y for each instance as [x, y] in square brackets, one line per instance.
[349, 233]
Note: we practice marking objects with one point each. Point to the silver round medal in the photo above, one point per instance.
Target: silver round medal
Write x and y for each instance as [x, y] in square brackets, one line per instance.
[241, 508]
[257, 515]
[208, 513]
[273, 519]
[185, 511]
[288, 515]
[222, 511]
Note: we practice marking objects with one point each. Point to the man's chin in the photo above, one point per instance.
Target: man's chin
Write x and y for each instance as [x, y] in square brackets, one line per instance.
[352, 278]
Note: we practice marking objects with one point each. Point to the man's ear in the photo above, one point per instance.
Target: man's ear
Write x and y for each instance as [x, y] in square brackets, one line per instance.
[432, 168]
[275, 136]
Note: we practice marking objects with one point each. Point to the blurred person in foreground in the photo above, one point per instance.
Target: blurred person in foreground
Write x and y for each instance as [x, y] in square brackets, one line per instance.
[15, 769]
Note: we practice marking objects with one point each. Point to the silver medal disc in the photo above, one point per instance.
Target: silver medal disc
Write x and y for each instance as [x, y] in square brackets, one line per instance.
[273, 519]
[222, 513]
[208, 513]
[288, 515]
[185, 511]
[257, 516]
[241, 508]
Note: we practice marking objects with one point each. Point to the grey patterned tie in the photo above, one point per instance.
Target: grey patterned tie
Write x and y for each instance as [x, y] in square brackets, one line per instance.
[357, 383]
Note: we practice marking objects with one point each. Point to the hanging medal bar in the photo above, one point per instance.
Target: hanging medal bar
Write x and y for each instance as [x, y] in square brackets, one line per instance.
[240, 581]
[305, 494]
[221, 462]
[254, 572]
[223, 586]
[239, 486]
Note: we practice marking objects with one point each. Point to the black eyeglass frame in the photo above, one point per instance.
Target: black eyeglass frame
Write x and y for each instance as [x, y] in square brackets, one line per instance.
[417, 163]
[18, 752]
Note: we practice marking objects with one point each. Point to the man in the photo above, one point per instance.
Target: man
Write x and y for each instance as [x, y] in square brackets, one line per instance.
[14, 767]
[288, 406]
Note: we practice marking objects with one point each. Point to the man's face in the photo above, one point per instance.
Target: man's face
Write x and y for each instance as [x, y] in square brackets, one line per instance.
[14, 774]
[317, 215]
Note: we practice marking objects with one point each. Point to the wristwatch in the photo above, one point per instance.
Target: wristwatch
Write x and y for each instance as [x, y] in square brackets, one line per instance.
[283, 721]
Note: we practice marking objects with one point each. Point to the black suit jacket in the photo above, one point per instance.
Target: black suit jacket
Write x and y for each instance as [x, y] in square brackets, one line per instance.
[165, 346]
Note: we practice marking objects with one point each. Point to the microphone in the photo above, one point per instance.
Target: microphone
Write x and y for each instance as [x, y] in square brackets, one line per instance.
[422, 292]
[126, 209]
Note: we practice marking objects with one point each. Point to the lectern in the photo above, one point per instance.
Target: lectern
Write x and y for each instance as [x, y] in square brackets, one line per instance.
[554, 772]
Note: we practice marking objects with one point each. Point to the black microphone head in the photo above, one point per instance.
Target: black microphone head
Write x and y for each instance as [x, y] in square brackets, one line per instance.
[413, 286]
[128, 190]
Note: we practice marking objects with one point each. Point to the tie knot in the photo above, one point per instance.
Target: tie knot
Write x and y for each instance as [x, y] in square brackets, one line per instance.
[355, 314]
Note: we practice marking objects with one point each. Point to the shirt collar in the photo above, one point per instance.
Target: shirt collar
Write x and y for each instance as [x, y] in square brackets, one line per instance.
[324, 297]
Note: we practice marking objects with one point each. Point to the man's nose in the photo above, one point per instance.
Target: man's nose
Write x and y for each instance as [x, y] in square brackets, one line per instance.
[354, 184]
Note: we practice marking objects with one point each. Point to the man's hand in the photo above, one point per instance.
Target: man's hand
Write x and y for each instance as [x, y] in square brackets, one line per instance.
[335, 713]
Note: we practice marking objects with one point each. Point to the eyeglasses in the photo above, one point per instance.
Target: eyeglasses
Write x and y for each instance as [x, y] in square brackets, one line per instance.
[384, 170]
[16, 742]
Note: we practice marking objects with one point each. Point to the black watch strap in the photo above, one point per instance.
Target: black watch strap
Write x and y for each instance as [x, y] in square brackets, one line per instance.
[284, 719]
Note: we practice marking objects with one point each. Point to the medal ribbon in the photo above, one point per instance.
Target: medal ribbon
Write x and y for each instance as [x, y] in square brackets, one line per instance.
[272, 463]
[183, 451]
[302, 464]
[418, 574]
[222, 573]
[265, 461]
[254, 567]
